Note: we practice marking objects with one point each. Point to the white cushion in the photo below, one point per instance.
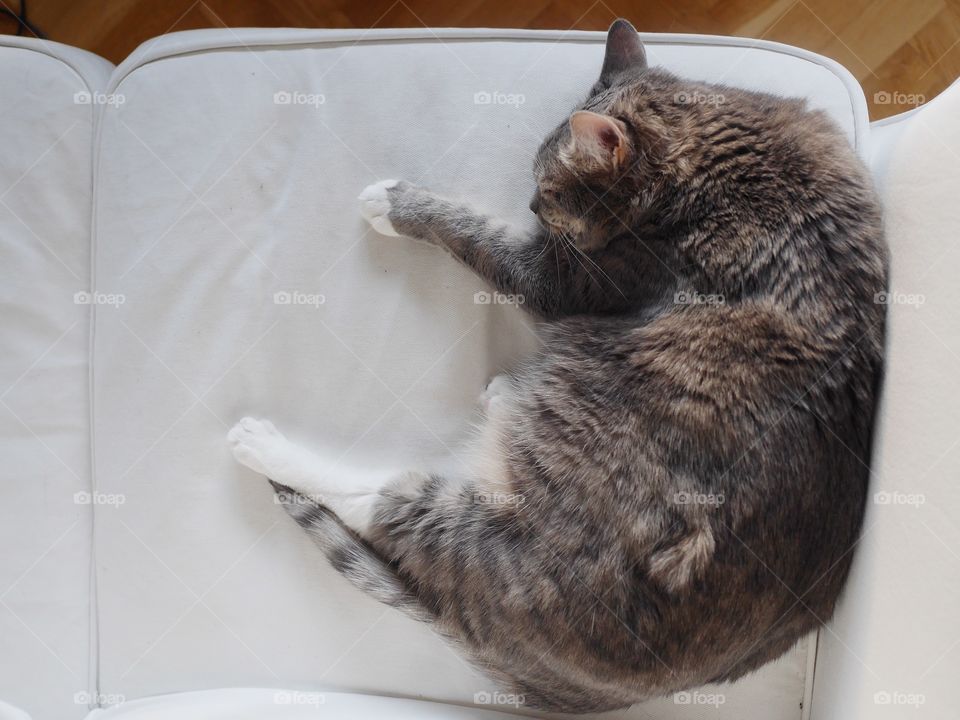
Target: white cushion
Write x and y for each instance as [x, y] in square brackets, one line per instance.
[212, 198]
[45, 527]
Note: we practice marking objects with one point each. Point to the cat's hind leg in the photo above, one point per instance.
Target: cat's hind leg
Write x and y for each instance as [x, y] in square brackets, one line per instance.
[349, 493]
[334, 505]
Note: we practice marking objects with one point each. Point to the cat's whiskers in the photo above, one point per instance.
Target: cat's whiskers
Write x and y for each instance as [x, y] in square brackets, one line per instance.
[557, 256]
[599, 269]
[568, 242]
[549, 241]
[559, 242]
[579, 253]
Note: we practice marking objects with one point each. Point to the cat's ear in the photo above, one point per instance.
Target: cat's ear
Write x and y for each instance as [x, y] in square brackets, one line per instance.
[624, 50]
[597, 140]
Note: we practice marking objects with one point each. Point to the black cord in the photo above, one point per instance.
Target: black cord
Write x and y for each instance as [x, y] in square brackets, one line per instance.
[21, 19]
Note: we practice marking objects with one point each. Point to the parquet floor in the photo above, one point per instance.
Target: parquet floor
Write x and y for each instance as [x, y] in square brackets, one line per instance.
[902, 51]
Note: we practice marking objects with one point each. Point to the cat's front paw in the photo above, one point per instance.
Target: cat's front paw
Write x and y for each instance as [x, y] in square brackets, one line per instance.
[258, 445]
[496, 388]
[375, 206]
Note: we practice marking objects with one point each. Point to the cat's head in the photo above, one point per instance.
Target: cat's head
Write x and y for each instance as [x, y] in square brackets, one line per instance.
[594, 172]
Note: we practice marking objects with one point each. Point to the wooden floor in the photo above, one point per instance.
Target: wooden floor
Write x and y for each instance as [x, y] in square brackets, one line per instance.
[902, 51]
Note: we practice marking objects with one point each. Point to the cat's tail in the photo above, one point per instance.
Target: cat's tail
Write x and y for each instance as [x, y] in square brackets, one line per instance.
[350, 555]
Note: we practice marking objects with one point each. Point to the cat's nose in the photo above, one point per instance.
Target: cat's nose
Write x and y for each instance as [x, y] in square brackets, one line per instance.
[535, 204]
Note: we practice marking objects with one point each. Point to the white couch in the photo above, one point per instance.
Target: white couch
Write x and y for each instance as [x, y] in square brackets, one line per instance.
[181, 247]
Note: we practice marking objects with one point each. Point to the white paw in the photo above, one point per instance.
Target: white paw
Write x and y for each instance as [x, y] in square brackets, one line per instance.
[259, 445]
[375, 206]
[498, 385]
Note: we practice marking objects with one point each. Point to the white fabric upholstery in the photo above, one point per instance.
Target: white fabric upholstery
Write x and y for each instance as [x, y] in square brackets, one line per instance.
[45, 198]
[203, 580]
[894, 647]
[212, 196]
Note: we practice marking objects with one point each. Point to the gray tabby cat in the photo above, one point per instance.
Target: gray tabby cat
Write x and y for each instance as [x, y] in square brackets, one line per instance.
[692, 442]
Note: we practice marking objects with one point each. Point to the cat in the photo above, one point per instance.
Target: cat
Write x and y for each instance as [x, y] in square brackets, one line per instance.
[668, 494]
